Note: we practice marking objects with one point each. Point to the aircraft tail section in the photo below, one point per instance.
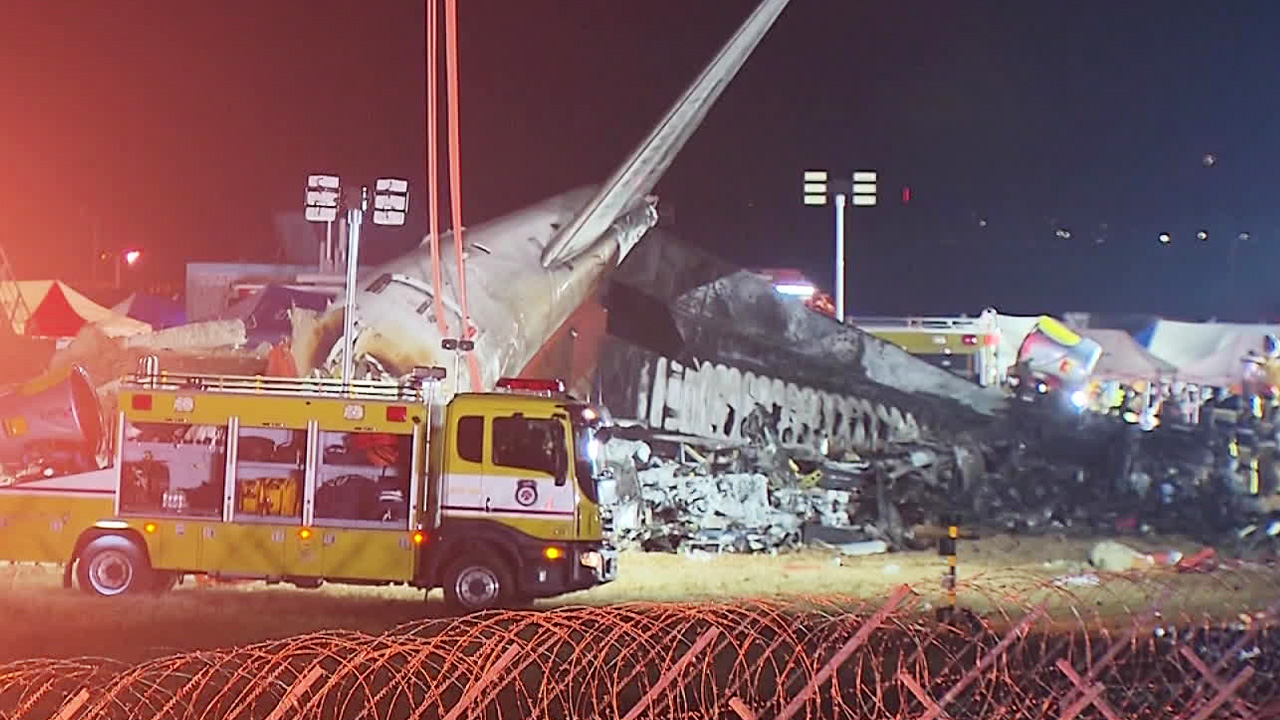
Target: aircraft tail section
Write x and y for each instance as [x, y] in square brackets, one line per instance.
[636, 177]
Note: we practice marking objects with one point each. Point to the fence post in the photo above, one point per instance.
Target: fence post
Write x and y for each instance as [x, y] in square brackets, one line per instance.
[844, 652]
[472, 692]
[1092, 694]
[1118, 645]
[703, 641]
[1217, 683]
[740, 708]
[936, 709]
[1224, 694]
[290, 699]
[73, 705]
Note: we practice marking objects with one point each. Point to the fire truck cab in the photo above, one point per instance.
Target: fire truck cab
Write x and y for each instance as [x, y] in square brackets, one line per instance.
[492, 497]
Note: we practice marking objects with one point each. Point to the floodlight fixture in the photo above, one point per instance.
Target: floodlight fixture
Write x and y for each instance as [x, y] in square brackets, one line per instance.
[323, 195]
[390, 201]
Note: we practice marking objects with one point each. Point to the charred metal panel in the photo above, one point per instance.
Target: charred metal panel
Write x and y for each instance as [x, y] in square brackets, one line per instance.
[682, 303]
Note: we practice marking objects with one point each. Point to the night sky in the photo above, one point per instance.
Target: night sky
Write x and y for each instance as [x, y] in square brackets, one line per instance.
[183, 127]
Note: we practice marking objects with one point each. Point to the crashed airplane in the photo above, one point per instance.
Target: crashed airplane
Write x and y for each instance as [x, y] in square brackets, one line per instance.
[528, 273]
[525, 273]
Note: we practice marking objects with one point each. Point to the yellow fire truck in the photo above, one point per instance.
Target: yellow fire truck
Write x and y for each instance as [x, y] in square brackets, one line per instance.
[494, 498]
[965, 346]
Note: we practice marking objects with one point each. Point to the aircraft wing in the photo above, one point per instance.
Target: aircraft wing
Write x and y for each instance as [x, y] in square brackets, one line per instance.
[641, 171]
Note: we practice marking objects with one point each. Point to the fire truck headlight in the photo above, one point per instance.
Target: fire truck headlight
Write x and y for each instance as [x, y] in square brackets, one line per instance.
[1079, 398]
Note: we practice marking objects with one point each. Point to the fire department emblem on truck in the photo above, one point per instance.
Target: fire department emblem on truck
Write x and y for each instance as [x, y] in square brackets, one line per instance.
[526, 492]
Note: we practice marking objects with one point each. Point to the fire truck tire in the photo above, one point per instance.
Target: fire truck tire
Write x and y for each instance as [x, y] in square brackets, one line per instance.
[112, 565]
[475, 585]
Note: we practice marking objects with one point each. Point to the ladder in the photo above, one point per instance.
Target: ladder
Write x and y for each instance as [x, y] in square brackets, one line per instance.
[16, 314]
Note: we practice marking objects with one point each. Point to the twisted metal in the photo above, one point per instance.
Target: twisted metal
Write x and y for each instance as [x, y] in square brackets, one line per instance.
[1191, 646]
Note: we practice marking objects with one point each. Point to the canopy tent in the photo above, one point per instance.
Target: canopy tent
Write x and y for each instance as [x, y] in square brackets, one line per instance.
[1188, 344]
[1123, 359]
[266, 312]
[1224, 365]
[158, 312]
[57, 310]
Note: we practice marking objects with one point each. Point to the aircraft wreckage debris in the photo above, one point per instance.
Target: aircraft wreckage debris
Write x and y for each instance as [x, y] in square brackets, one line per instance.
[1029, 472]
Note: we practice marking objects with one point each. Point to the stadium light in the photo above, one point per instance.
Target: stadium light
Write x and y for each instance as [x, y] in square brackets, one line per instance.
[390, 201]
[324, 193]
[132, 257]
[324, 198]
[864, 193]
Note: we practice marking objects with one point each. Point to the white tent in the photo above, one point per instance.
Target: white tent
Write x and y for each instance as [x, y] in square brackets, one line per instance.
[58, 310]
[1124, 359]
[1224, 365]
[1186, 344]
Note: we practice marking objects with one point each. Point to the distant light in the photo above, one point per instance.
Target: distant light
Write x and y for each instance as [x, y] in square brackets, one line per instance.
[906, 194]
[1063, 233]
[982, 222]
[1166, 238]
[1209, 160]
[794, 290]
[1243, 236]
[1202, 235]
[133, 256]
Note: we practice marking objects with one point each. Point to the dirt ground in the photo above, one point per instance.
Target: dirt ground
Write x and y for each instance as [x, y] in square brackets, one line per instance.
[1000, 576]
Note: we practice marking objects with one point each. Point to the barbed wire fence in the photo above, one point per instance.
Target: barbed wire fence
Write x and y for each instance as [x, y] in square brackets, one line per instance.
[1151, 645]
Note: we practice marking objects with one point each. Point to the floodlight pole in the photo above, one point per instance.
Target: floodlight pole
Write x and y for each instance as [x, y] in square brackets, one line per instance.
[840, 199]
[326, 264]
[355, 216]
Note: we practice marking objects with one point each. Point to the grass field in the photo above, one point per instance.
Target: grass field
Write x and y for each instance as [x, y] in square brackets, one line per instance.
[40, 619]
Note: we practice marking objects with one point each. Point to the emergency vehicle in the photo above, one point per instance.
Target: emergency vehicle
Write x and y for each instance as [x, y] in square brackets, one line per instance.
[965, 346]
[494, 497]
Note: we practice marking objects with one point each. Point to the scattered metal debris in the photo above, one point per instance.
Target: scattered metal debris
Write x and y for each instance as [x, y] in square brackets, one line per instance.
[1031, 472]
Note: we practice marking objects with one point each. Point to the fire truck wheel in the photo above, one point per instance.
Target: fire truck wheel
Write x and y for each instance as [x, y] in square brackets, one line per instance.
[112, 565]
[475, 585]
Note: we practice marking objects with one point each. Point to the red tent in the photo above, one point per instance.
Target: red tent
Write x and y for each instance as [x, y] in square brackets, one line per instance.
[57, 310]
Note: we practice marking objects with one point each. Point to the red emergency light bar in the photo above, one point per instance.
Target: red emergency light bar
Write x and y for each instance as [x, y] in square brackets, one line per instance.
[539, 385]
